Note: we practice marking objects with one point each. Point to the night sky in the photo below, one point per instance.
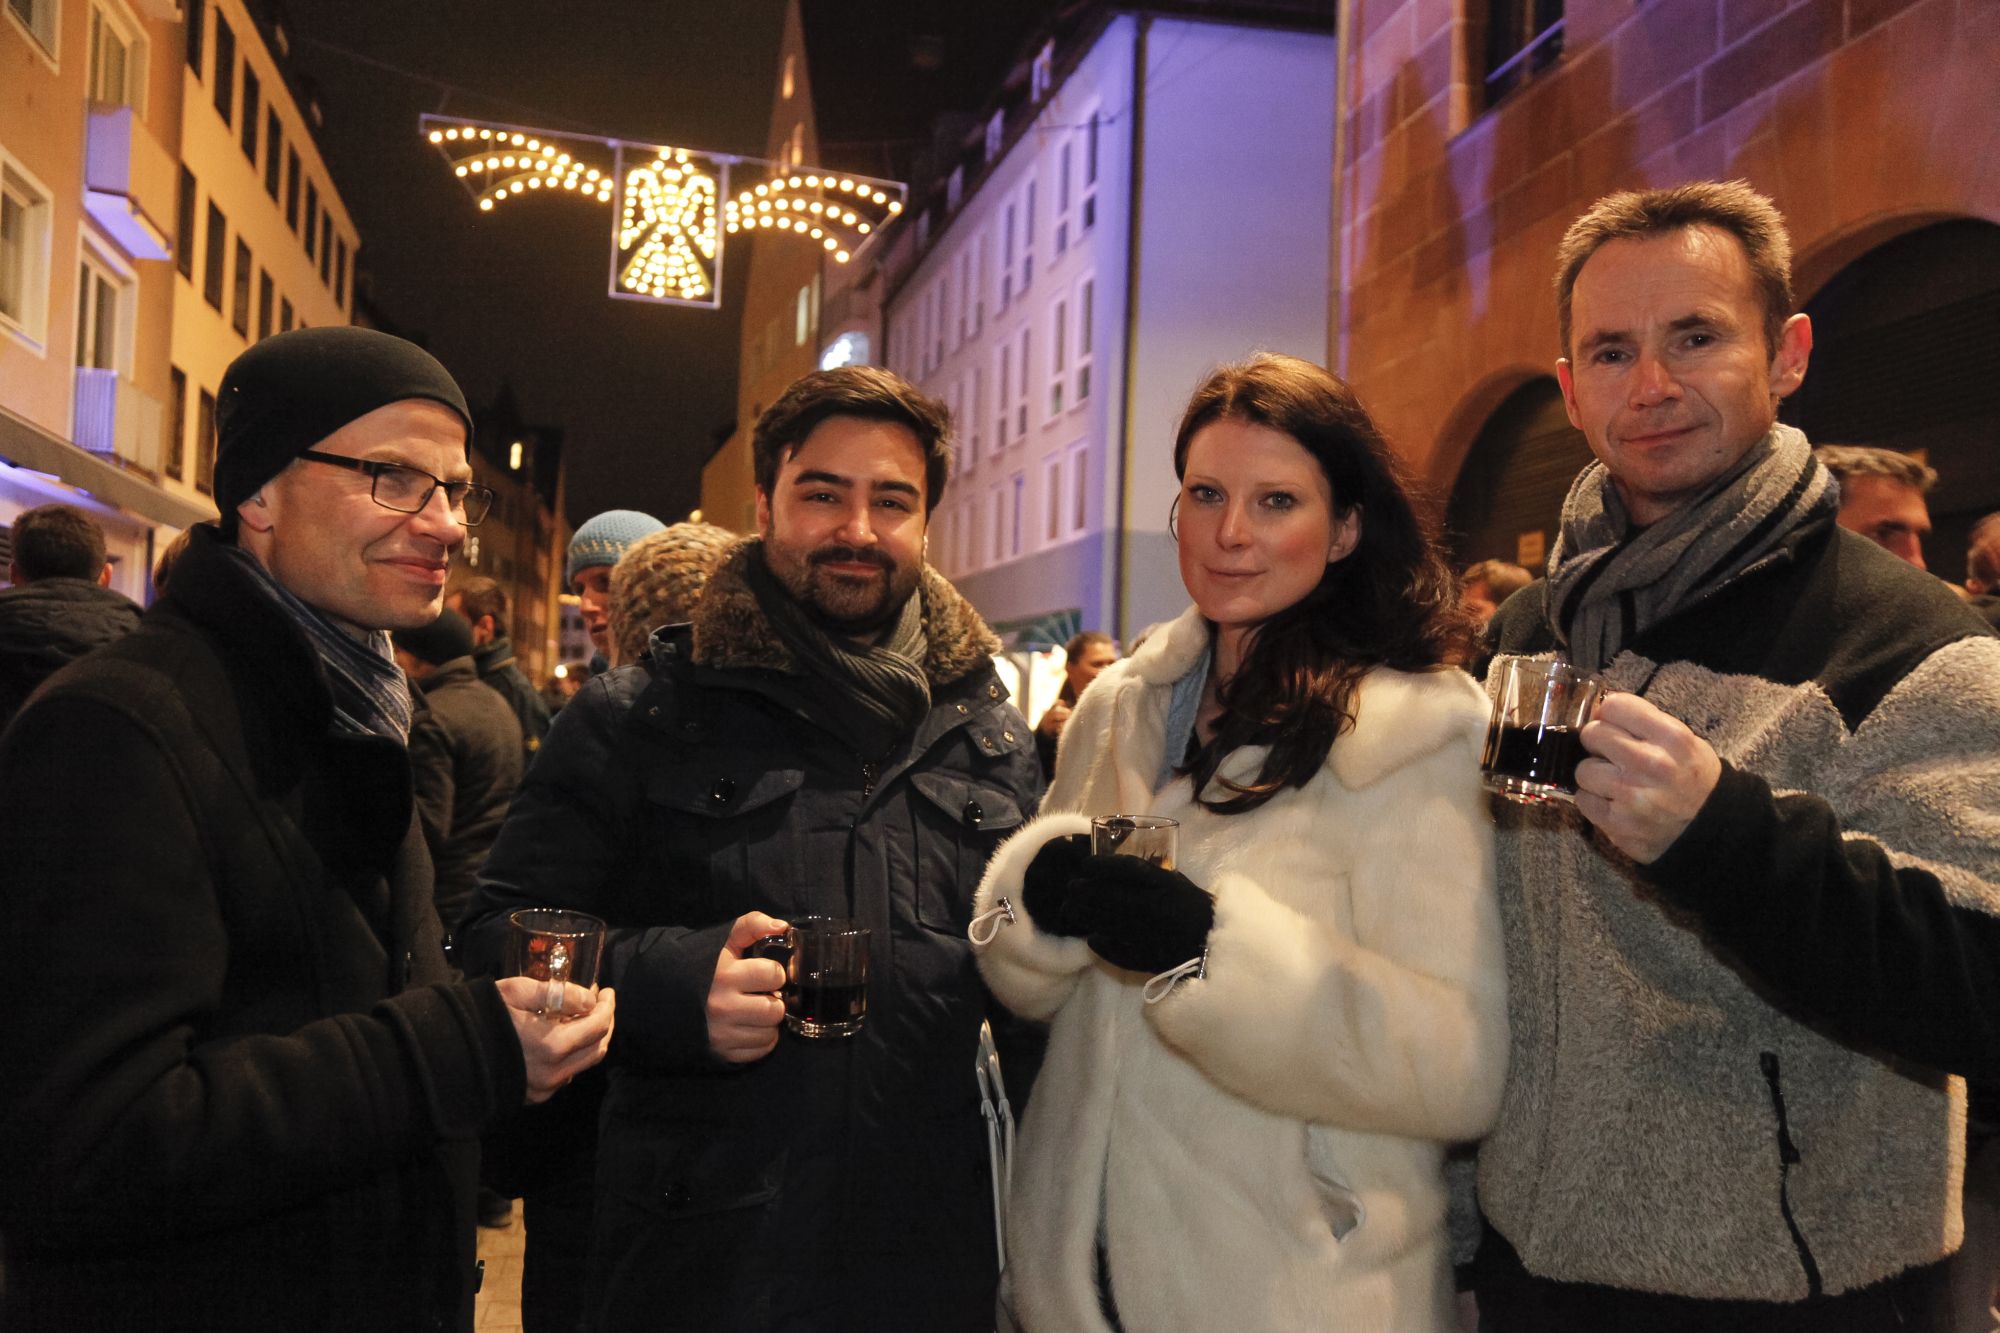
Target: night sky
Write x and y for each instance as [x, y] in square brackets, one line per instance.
[518, 295]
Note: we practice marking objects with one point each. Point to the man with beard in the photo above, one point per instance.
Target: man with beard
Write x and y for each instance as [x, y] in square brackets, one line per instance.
[826, 738]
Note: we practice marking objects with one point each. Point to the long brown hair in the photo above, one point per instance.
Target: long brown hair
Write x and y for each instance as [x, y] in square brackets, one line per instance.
[1391, 602]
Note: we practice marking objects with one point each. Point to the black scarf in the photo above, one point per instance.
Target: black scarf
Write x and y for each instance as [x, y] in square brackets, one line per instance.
[882, 689]
[1609, 583]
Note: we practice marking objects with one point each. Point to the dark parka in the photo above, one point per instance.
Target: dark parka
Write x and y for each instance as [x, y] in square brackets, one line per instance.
[240, 1091]
[495, 660]
[49, 623]
[468, 767]
[842, 1182]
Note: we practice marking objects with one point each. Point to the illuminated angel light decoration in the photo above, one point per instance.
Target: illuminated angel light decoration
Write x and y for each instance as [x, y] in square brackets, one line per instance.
[667, 233]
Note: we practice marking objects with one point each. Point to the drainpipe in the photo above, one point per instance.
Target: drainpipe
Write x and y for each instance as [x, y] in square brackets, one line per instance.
[1121, 552]
[1336, 269]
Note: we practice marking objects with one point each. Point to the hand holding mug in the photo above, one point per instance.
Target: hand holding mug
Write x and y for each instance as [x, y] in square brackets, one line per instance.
[555, 1053]
[744, 1010]
[1647, 776]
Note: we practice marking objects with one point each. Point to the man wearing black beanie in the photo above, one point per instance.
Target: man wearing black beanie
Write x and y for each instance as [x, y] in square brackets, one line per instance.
[251, 1093]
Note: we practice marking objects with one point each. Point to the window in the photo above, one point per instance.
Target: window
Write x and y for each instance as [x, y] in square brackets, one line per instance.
[798, 148]
[253, 95]
[954, 189]
[39, 17]
[1042, 73]
[997, 524]
[973, 550]
[266, 298]
[996, 132]
[1079, 511]
[25, 213]
[1004, 382]
[941, 294]
[184, 226]
[204, 439]
[1088, 198]
[1052, 475]
[292, 190]
[284, 315]
[274, 159]
[976, 416]
[1024, 362]
[978, 287]
[325, 247]
[1017, 506]
[1523, 38]
[1086, 297]
[239, 318]
[791, 73]
[802, 317]
[964, 295]
[1028, 239]
[340, 272]
[1062, 200]
[117, 72]
[1006, 255]
[312, 218]
[194, 27]
[101, 317]
[1058, 345]
[177, 418]
[225, 69]
[218, 252]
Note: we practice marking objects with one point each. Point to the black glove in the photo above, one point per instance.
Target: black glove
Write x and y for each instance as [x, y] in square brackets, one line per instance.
[1045, 886]
[1137, 916]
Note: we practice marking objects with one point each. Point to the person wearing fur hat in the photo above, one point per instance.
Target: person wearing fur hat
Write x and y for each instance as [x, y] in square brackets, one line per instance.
[826, 737]
[658, 581]
[251, 1090]
[596, 548]
[1259, 1055]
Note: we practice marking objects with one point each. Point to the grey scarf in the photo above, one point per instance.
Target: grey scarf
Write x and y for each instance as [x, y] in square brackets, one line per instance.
[1609, 582]
[371, 696]
[882, 690]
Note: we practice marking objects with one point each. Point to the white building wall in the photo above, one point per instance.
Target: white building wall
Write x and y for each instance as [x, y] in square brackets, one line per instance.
[1238, 127]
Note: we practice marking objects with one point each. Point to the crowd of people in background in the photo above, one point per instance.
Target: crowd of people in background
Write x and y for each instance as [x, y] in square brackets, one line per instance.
[1708, 1029]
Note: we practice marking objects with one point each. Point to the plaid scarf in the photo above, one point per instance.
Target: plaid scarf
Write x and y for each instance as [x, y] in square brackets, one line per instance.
[1610, 582]
[371, 696]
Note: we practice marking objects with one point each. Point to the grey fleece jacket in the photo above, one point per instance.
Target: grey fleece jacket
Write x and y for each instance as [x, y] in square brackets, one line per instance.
[1712, 1090]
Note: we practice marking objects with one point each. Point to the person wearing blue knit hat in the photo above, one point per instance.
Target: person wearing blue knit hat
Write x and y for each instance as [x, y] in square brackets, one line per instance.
[597, 546]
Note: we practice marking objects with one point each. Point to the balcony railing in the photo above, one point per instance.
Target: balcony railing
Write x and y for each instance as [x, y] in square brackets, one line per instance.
[114, 417]
[129, 182]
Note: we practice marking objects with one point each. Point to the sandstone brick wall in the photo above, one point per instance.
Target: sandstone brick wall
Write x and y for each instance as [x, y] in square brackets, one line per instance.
[1861, 118]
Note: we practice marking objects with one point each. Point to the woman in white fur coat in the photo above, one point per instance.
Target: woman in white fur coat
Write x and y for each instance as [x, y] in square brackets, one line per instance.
[1260, 1149]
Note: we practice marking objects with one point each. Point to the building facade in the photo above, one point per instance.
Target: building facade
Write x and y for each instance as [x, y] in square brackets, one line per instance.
[1150, 202]
[1474, 131]
[267, 244]
[90, 111]
[524, 538]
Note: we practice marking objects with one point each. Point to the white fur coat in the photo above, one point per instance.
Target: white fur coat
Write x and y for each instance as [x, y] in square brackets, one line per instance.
[1264, 1146]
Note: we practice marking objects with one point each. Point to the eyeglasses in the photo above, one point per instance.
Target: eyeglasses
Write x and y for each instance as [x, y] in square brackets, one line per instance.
[408, 489]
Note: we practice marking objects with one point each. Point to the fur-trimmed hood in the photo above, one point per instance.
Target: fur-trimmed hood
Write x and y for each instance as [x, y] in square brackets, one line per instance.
[731, 630]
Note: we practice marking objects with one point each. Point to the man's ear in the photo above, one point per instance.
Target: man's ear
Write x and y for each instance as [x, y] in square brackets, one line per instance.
[255, 514]
[763, 513]
[104, 575]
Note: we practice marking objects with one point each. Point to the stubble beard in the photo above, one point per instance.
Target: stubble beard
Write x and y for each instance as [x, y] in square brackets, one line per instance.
[841, 603]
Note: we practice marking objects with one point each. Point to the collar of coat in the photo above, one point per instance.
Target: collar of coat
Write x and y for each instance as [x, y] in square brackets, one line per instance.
[1399, 716]
[731, 630]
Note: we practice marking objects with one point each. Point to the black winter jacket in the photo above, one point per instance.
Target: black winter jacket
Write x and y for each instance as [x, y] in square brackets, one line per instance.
[467, 769]
[47, 624]
[835, 1184]
[495, 660]
[241, 1092]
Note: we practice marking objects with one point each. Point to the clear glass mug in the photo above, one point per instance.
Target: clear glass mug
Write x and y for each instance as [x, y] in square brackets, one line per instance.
[1534, 739]
[1152, 838]
[558, 948]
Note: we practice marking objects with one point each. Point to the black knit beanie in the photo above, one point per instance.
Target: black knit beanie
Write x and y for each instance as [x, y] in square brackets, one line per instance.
[446, 637]
[292, 390]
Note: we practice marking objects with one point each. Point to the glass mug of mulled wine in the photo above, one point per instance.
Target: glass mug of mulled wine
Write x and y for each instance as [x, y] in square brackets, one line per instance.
[1534, 740]
[1152, 838]
[826, 974]
[560, 949]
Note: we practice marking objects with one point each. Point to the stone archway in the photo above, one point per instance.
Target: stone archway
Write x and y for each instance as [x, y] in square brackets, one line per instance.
[1507, 499]
[1906, 355]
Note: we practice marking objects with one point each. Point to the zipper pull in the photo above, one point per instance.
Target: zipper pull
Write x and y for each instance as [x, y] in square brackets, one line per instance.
[868, 772]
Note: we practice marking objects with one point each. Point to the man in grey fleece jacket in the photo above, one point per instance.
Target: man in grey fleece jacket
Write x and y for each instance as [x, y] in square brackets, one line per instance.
[1746, 968]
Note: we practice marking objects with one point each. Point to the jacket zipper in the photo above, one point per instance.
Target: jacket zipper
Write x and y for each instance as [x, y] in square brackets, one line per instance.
[1788, 1157]
[868, 772]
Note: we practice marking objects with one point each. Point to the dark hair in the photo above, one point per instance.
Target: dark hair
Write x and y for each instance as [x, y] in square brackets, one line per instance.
[58, 541]
[480, 596]
[1861, 460]
[1391, 602]
[163, 568]
[1730, 206]
[868, 392]
[1083, 643]
[1503, 578]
